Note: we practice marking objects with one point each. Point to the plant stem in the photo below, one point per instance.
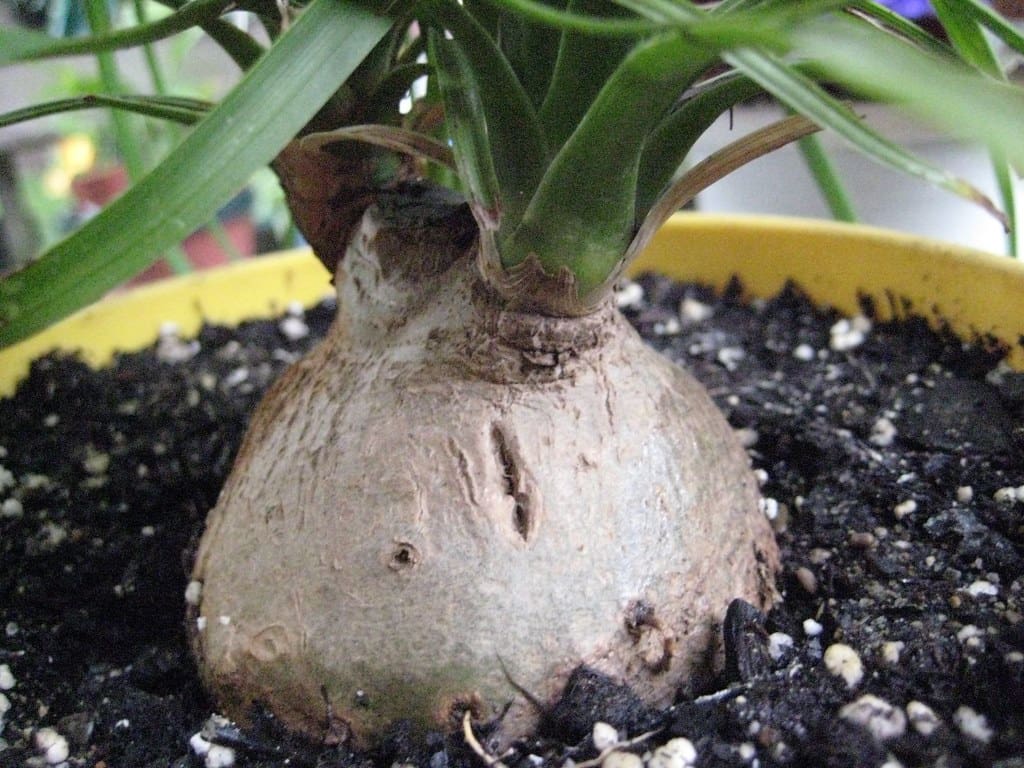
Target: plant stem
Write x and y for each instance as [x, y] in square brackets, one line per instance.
[99, 21]
[825, 176]
[220, 234]
[152, 62]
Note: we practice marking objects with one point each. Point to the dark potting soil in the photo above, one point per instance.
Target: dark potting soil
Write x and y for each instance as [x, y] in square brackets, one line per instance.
[892, 464]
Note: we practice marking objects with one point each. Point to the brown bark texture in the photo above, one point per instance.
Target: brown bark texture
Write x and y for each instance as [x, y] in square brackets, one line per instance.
[449, 503]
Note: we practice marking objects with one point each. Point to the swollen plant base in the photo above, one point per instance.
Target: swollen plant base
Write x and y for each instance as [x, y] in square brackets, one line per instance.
[448, 506]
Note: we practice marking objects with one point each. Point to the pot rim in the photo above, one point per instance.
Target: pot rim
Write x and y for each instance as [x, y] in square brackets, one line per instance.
[971, 292]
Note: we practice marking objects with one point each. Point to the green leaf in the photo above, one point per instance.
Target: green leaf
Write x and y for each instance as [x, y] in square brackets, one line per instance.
[967, 35]
[936, 90]
[183, 111]
[671, 141]
[531, 50]
[573, 21]
[826, 178]
[467, 127]
[714, 168]
[23, 45]
[271, 104]
[582, 216]
[900, 25]
[994, 23]
[805, 97]
[498, 106]
[584, 63]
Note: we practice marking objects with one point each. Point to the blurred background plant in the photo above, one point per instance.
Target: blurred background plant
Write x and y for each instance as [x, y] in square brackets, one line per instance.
[59, 171]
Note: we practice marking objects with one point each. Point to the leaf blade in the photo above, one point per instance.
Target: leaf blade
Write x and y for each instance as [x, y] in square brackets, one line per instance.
[242, 134]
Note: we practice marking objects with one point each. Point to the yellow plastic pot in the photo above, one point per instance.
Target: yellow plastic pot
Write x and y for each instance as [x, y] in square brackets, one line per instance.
[973, 293]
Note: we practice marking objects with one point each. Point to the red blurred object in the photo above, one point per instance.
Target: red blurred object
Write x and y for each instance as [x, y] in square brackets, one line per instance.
[95, 189]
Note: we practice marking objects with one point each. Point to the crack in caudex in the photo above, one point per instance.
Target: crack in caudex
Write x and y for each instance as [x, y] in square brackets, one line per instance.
[511, 478]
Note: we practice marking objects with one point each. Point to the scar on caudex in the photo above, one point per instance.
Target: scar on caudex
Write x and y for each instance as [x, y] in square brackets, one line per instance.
[511, 475]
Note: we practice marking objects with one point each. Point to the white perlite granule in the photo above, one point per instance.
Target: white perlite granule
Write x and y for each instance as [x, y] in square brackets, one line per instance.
[779, 643]
[973, 724]
[880, 718]
[604, 736]
[7, 681]
[842, 661]
[849, 333]
[193, 592]
[923, 718]
[675, 753]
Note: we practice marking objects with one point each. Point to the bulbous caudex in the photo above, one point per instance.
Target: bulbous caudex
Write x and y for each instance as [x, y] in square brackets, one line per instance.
[447, 504]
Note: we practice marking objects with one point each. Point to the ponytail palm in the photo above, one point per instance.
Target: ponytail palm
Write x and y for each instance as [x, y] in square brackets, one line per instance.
[482, 478]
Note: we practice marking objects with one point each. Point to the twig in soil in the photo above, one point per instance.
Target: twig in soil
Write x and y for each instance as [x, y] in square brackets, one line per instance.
[467, 732]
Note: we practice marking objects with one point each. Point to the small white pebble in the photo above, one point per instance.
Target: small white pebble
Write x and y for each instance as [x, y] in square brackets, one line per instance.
[219, 757]
[964, 494]
[199, 745]
[194, 592]
[842, 661]
[748, 437]
[1007, 495]
[295, 309]
[123, 724]
[170, 349]
[7, 681]
[967, 632]
[668, 328]
[224, 620]
[804, 353]
[761, 476]
[168, 328]
[54, 747]
[6, 478]
[236, 377]
[95, 462]
[695, 311]
[51, 420]
[604, 736]
[629, 295]
[1014, 657]
[849, 334]
[5, 706]
[779, 644]
[880, 718]
[981, 588]
[622, 760]
[922, 718]
[891, 651]
[973, 724]
[293, 328]
[747, 751]
[730, 357]
[674, 753]
[883, 432]
[200, 623]
[904, 508]
[769, 506]
[812, 628]
[147, 531]
[11, 508]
